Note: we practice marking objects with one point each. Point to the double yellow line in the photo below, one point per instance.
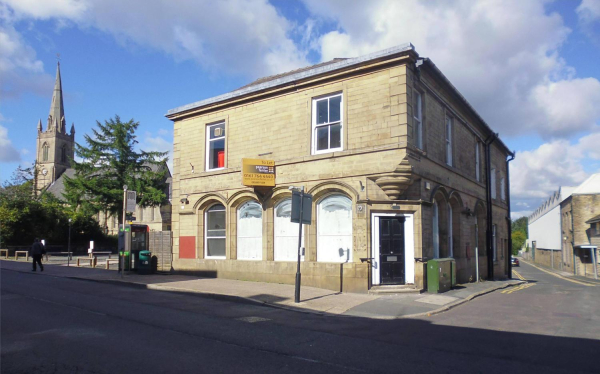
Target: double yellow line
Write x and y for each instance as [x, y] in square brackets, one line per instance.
[516, 273]
[583, 283]
[518, 288]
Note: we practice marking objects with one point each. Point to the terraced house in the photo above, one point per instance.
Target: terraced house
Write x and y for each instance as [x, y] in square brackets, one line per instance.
[401, 168]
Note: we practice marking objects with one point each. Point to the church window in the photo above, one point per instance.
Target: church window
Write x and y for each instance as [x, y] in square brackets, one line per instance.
[45, 152]
[63, 154]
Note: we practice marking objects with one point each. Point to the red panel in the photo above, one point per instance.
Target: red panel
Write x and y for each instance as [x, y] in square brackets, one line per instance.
[221, 159]
[187, 247]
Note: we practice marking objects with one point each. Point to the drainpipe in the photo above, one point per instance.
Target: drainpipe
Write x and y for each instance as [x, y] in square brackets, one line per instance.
[488, 198]
[509, 255]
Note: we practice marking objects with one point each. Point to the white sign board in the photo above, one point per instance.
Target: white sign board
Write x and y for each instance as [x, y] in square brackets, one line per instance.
[131, 195]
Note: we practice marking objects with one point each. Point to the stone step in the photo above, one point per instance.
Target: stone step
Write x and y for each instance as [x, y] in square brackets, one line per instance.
[394, 289]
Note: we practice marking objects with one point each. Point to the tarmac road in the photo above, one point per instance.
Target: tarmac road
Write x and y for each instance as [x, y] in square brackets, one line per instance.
[59, 325]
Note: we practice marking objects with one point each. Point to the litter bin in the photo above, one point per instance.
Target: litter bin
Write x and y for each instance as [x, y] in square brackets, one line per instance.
[145, 262]
[441, 275]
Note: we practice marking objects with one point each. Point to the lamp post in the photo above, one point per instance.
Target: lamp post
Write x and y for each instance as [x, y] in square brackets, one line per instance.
[69, 245]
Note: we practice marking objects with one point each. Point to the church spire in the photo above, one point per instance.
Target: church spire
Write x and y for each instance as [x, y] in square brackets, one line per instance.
[57, 111]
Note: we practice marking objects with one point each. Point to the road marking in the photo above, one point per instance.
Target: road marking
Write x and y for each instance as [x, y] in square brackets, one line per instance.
[519, 275]
[253, 319]
[518, 288]
[565, 278]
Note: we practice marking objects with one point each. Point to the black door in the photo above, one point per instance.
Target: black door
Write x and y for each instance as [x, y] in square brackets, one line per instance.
[391, 250]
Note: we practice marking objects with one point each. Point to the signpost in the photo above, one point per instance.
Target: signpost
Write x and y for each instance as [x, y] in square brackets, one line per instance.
[301, 213]
[258, 172]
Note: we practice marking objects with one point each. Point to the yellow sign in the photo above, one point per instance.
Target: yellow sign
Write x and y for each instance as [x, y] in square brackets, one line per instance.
[258, 172]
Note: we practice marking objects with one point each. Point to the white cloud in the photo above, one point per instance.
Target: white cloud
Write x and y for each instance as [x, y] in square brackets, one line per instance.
[20, 69]
[236, 36]
[504, 56]
[8, 153]
[588, 13]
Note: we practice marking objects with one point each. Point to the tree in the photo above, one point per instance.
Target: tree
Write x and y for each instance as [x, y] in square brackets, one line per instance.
[110, 161]
[521, 225]
[518, 239]
[24, 217]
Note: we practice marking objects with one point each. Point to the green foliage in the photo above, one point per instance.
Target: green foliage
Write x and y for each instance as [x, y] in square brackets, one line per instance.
[521, 225]
[23, 217]
[109, 161]
[518, 239]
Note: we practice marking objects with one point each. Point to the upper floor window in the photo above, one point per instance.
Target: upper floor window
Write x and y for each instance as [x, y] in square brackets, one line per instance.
[449, 141]
[502, 189]
[215, 146]
[493, 183]
[327, 124]
[418, 120]
[477, 166]
[45, 149]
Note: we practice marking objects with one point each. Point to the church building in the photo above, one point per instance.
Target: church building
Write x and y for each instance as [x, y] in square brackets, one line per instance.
[54, 151]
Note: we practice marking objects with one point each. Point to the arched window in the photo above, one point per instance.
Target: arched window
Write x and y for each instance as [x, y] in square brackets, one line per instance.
[286, 233]
[214, 232]
[334, 229]
[63, 154]
[436, 230]
[249, 231]
[45, 149]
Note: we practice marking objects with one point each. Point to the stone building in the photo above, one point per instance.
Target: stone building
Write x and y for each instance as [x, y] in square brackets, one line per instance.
[579, 216]
[401, 168]
[54, 152]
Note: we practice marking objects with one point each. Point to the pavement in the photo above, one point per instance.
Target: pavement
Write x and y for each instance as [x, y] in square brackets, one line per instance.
[312, 300]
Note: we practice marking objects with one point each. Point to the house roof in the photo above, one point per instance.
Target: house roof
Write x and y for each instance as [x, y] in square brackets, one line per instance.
[589, 186]
[294, 75]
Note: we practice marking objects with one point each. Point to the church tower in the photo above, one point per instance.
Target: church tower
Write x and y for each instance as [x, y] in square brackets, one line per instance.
[55, 147]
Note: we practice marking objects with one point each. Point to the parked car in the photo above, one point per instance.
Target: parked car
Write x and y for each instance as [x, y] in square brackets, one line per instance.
[514, 261]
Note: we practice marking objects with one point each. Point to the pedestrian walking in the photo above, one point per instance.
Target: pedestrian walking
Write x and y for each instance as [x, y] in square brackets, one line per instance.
[37, 251]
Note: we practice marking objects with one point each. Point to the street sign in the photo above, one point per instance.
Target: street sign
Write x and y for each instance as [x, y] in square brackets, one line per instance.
[131, 196]
[258, 172]
[306, 207]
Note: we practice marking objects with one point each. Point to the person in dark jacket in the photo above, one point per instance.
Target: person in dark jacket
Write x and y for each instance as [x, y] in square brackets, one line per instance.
[37, 250]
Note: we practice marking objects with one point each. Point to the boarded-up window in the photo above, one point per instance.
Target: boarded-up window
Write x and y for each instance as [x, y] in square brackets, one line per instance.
[249, 231]
[286, 233]
[334, 229]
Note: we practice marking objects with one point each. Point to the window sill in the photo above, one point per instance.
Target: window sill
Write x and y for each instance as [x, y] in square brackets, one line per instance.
[215, 257]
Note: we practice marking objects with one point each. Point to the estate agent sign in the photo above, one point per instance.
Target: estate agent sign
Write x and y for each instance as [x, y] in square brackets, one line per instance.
[258, 172]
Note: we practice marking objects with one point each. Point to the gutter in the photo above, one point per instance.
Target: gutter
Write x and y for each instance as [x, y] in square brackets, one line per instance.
[488, 201]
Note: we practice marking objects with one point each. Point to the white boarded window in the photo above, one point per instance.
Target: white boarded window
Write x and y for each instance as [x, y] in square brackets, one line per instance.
[285, 233]
[449, 141]
[249, 231]
[418, 120]
[436, 231]
[327, 131]
[502, 189]
[334, 229]
[493, 183]
[214, 243]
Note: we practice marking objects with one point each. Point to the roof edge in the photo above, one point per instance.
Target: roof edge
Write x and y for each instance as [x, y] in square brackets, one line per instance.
[293, 77]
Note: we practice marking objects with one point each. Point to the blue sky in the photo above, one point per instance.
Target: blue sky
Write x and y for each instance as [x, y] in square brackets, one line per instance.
[530, 68]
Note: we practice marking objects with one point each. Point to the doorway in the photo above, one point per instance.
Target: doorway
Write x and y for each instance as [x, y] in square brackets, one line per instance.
[393, 249]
